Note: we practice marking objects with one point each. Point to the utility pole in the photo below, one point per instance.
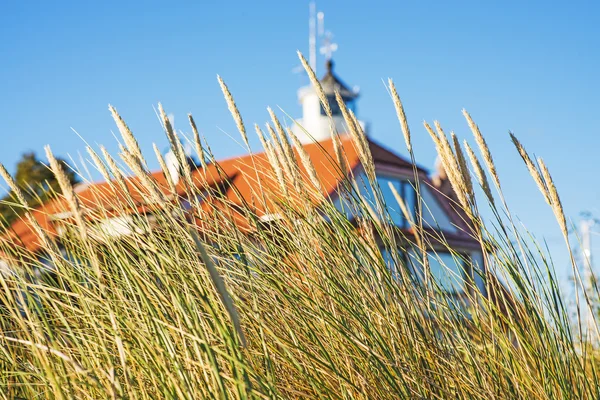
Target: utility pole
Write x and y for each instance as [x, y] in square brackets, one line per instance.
[589, 278]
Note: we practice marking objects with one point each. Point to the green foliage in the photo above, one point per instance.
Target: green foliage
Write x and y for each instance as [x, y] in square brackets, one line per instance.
[37, 183]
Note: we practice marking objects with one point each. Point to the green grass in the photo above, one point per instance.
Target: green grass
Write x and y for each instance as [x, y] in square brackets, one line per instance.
[302, 307]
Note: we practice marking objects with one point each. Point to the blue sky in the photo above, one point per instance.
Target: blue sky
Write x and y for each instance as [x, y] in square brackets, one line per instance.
[530, 67]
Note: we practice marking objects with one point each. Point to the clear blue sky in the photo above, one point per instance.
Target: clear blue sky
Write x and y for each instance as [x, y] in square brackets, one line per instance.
[531, 67]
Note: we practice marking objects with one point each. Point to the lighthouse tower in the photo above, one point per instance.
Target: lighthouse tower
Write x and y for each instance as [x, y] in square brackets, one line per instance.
[314, 124]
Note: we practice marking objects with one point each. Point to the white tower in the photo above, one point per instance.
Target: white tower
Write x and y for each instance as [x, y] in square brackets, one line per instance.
[314, 124]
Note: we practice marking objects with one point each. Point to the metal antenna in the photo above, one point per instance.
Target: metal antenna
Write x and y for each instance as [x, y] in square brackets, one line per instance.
[328, 46]
[320, 23]
[312, 37]
[585, 230]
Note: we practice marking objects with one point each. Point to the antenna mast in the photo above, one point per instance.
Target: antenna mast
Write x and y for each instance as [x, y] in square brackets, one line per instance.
[589, 285]
[312, 37]
[585, 227]
[328, 46]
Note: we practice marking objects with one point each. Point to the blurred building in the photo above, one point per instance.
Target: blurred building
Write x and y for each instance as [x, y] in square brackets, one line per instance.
[443, 224]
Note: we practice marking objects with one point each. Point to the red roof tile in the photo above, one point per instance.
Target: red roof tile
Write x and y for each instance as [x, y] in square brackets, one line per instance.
[238, 175]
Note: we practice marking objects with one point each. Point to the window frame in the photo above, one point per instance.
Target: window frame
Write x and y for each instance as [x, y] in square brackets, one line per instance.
[403, 181]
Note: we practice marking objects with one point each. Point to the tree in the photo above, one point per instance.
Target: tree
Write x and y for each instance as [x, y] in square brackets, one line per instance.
[38, 184]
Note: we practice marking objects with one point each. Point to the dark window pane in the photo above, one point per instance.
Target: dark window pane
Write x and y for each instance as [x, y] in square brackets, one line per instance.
[333, 104]
[410, 199]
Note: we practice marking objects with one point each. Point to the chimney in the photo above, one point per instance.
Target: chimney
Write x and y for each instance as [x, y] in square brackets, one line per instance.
[173, 166]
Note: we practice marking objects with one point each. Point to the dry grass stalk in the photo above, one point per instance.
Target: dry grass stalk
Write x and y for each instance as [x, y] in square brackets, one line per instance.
[99, 165]
[402, 205]
[555, 202]
[273, 163]
[128, 137]
[147, 183]
[171, 135]
[185, 168]
[176, 147]
[361, 133]
[237, 117]
[462, 163]
[76, 366]
[533, 171]
[358, 136]
[279, 152]
[283, 139]
[364, 141]
[320, 313]
[483, 147]
[450, 164]
[479, 173]
[209, 153]
[347, 118]
[317, 85]
[371, 211]
[325, 103]
[197, 142]
[411, 222]
[307, 162]
[276, 166]
[12, 184]
[261, 136]
[67, 191]
[434, 136]
[269, 154]
[339, 155]
[445, 143]
[220, 288]
[114, 169]
[165, 170]
[401, 115]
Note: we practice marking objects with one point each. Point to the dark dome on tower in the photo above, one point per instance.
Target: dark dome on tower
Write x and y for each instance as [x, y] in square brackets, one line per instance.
[332, 83]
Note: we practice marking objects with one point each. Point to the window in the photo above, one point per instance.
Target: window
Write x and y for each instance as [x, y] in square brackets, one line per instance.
[351, 104]
[333, 104]
[449, 271]
[409, 195]
[396, 264]
[335, 107]
[404, 189]
[433, 215]
[390, 200]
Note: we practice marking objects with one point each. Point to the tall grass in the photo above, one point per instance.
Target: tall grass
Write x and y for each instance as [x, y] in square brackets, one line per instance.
[195, 304]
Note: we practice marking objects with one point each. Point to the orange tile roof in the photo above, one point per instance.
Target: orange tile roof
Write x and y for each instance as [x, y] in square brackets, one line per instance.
[239, 173]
